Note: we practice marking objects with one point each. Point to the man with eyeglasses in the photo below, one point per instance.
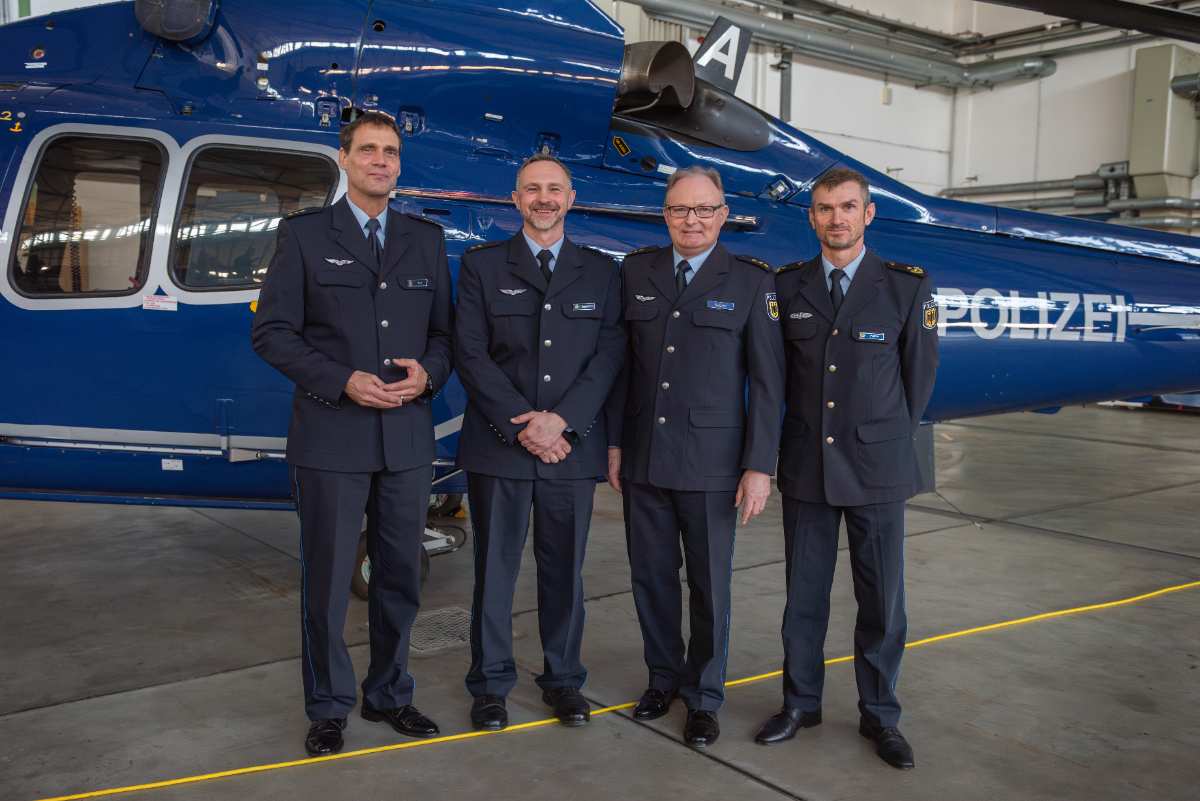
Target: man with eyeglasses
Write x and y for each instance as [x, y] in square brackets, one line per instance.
[694, 426]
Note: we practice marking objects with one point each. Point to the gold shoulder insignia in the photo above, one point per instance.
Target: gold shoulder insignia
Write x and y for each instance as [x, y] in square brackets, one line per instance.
[301, 212]
[759, 263]
[911, 269]
[485, 245]
[787, 268]
[640, 251]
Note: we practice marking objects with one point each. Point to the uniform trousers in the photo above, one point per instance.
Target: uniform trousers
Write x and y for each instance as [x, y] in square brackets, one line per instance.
[876, 538]
[331, 507]
[500, 511]
[655, 522]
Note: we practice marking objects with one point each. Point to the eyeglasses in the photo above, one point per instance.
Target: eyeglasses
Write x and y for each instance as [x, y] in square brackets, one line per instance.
[703, 212]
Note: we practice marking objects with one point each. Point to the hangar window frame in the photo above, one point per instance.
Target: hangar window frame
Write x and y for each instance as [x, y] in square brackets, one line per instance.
[147, 250]
[183, 203]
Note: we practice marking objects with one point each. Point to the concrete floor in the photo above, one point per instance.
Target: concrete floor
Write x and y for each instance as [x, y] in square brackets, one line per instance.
[142, 644]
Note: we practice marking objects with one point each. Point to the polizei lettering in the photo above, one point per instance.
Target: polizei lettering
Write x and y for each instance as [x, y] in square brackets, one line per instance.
[1058, 316]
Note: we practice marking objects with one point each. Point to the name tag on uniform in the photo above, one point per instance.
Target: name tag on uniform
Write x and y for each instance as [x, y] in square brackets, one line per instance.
[721, 305]
[585, 307]
[872, 336]
[416, 283]
[799, 315]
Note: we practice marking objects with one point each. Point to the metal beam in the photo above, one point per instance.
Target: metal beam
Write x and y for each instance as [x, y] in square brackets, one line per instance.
[1118, 14]
[847, 50]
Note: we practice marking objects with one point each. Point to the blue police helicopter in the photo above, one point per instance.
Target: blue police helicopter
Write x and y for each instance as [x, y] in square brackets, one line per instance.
[149, 149]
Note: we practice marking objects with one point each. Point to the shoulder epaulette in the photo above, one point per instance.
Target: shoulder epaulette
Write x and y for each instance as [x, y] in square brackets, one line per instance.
[485, 245]
[419, 218]
[640, 251]
[911, 269]
[291, 215]
[759, 263]
[787, 268]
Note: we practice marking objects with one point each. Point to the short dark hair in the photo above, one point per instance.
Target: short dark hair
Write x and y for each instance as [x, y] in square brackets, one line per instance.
[539, 156]
[373, 117]
[841, 175]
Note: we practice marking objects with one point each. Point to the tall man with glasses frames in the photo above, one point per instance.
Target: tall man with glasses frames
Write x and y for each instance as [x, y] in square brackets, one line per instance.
[693, 436]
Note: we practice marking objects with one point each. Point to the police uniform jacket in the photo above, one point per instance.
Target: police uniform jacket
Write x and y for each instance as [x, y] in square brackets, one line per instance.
[857, 381]
[701, 395]
[522, 345]
[326, 310]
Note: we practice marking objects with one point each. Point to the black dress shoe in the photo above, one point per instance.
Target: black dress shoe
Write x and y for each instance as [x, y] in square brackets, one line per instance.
[784, 725]
[324, 737]
[653, 704]
[701, 728]
[570, 707]
[405, 719]
[488, 713]
[889, 744]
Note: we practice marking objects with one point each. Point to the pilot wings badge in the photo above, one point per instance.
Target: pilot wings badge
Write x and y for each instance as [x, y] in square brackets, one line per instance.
[513, 291]
[645, 298]
[339, 262]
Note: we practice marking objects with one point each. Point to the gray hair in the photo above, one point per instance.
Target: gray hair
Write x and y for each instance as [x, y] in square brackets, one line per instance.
[696, 171]
[534, 159]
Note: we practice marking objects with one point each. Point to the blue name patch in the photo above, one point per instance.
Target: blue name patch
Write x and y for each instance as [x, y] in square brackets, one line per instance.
[872, 336]
[585, 307]
[721, 305]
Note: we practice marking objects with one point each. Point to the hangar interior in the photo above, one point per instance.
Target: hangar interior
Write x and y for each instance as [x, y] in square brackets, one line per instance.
[1053, 579]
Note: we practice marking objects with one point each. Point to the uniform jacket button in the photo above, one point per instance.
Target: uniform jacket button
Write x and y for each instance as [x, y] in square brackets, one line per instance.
[831, 404]
[829, 440]
[662, 420]
[833, 368]
[675, 313]
[670, 348]
[384, 323]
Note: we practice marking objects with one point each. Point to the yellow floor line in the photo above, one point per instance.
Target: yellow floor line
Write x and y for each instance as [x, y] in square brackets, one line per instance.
[535, 724]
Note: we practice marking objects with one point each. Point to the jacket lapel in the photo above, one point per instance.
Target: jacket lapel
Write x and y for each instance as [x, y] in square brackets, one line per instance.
[863, 288]
[662, 273]
[814, 290]
[712, 272]
[396, 241]
[568, 268]
[351, 237]
[523, 265]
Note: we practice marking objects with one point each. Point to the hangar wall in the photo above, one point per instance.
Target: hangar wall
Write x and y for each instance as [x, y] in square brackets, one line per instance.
[931, 138]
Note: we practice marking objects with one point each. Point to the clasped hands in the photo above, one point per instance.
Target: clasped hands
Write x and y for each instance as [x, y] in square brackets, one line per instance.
[369, 390]
[543, 435]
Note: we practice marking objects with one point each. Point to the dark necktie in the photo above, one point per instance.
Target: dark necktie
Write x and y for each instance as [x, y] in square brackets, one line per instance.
[373, 240]
[544, 257]
[681, 271]
[836, 294]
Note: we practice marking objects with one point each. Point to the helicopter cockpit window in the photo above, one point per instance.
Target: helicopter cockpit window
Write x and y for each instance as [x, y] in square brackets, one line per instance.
[232, 204]
[87, 225]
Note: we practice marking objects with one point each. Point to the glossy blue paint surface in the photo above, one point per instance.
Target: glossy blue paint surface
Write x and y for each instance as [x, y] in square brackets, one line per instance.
[1037, 311]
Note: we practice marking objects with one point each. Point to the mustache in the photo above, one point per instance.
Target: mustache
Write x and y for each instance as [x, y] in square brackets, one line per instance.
[545, 207]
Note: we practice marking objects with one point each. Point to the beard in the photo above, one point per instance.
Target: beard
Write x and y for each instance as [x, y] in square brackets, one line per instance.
[850, 242]
[544, 223]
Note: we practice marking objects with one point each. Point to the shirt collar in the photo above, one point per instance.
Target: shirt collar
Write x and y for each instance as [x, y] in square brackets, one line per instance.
[535, 248]
[850, 269]
[696, 261]
[363, 217]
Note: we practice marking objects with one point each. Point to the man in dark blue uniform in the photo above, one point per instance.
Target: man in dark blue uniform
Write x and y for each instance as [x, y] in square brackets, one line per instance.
[356, 311]
[538, 343]
[862, 352]
[695, 435]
